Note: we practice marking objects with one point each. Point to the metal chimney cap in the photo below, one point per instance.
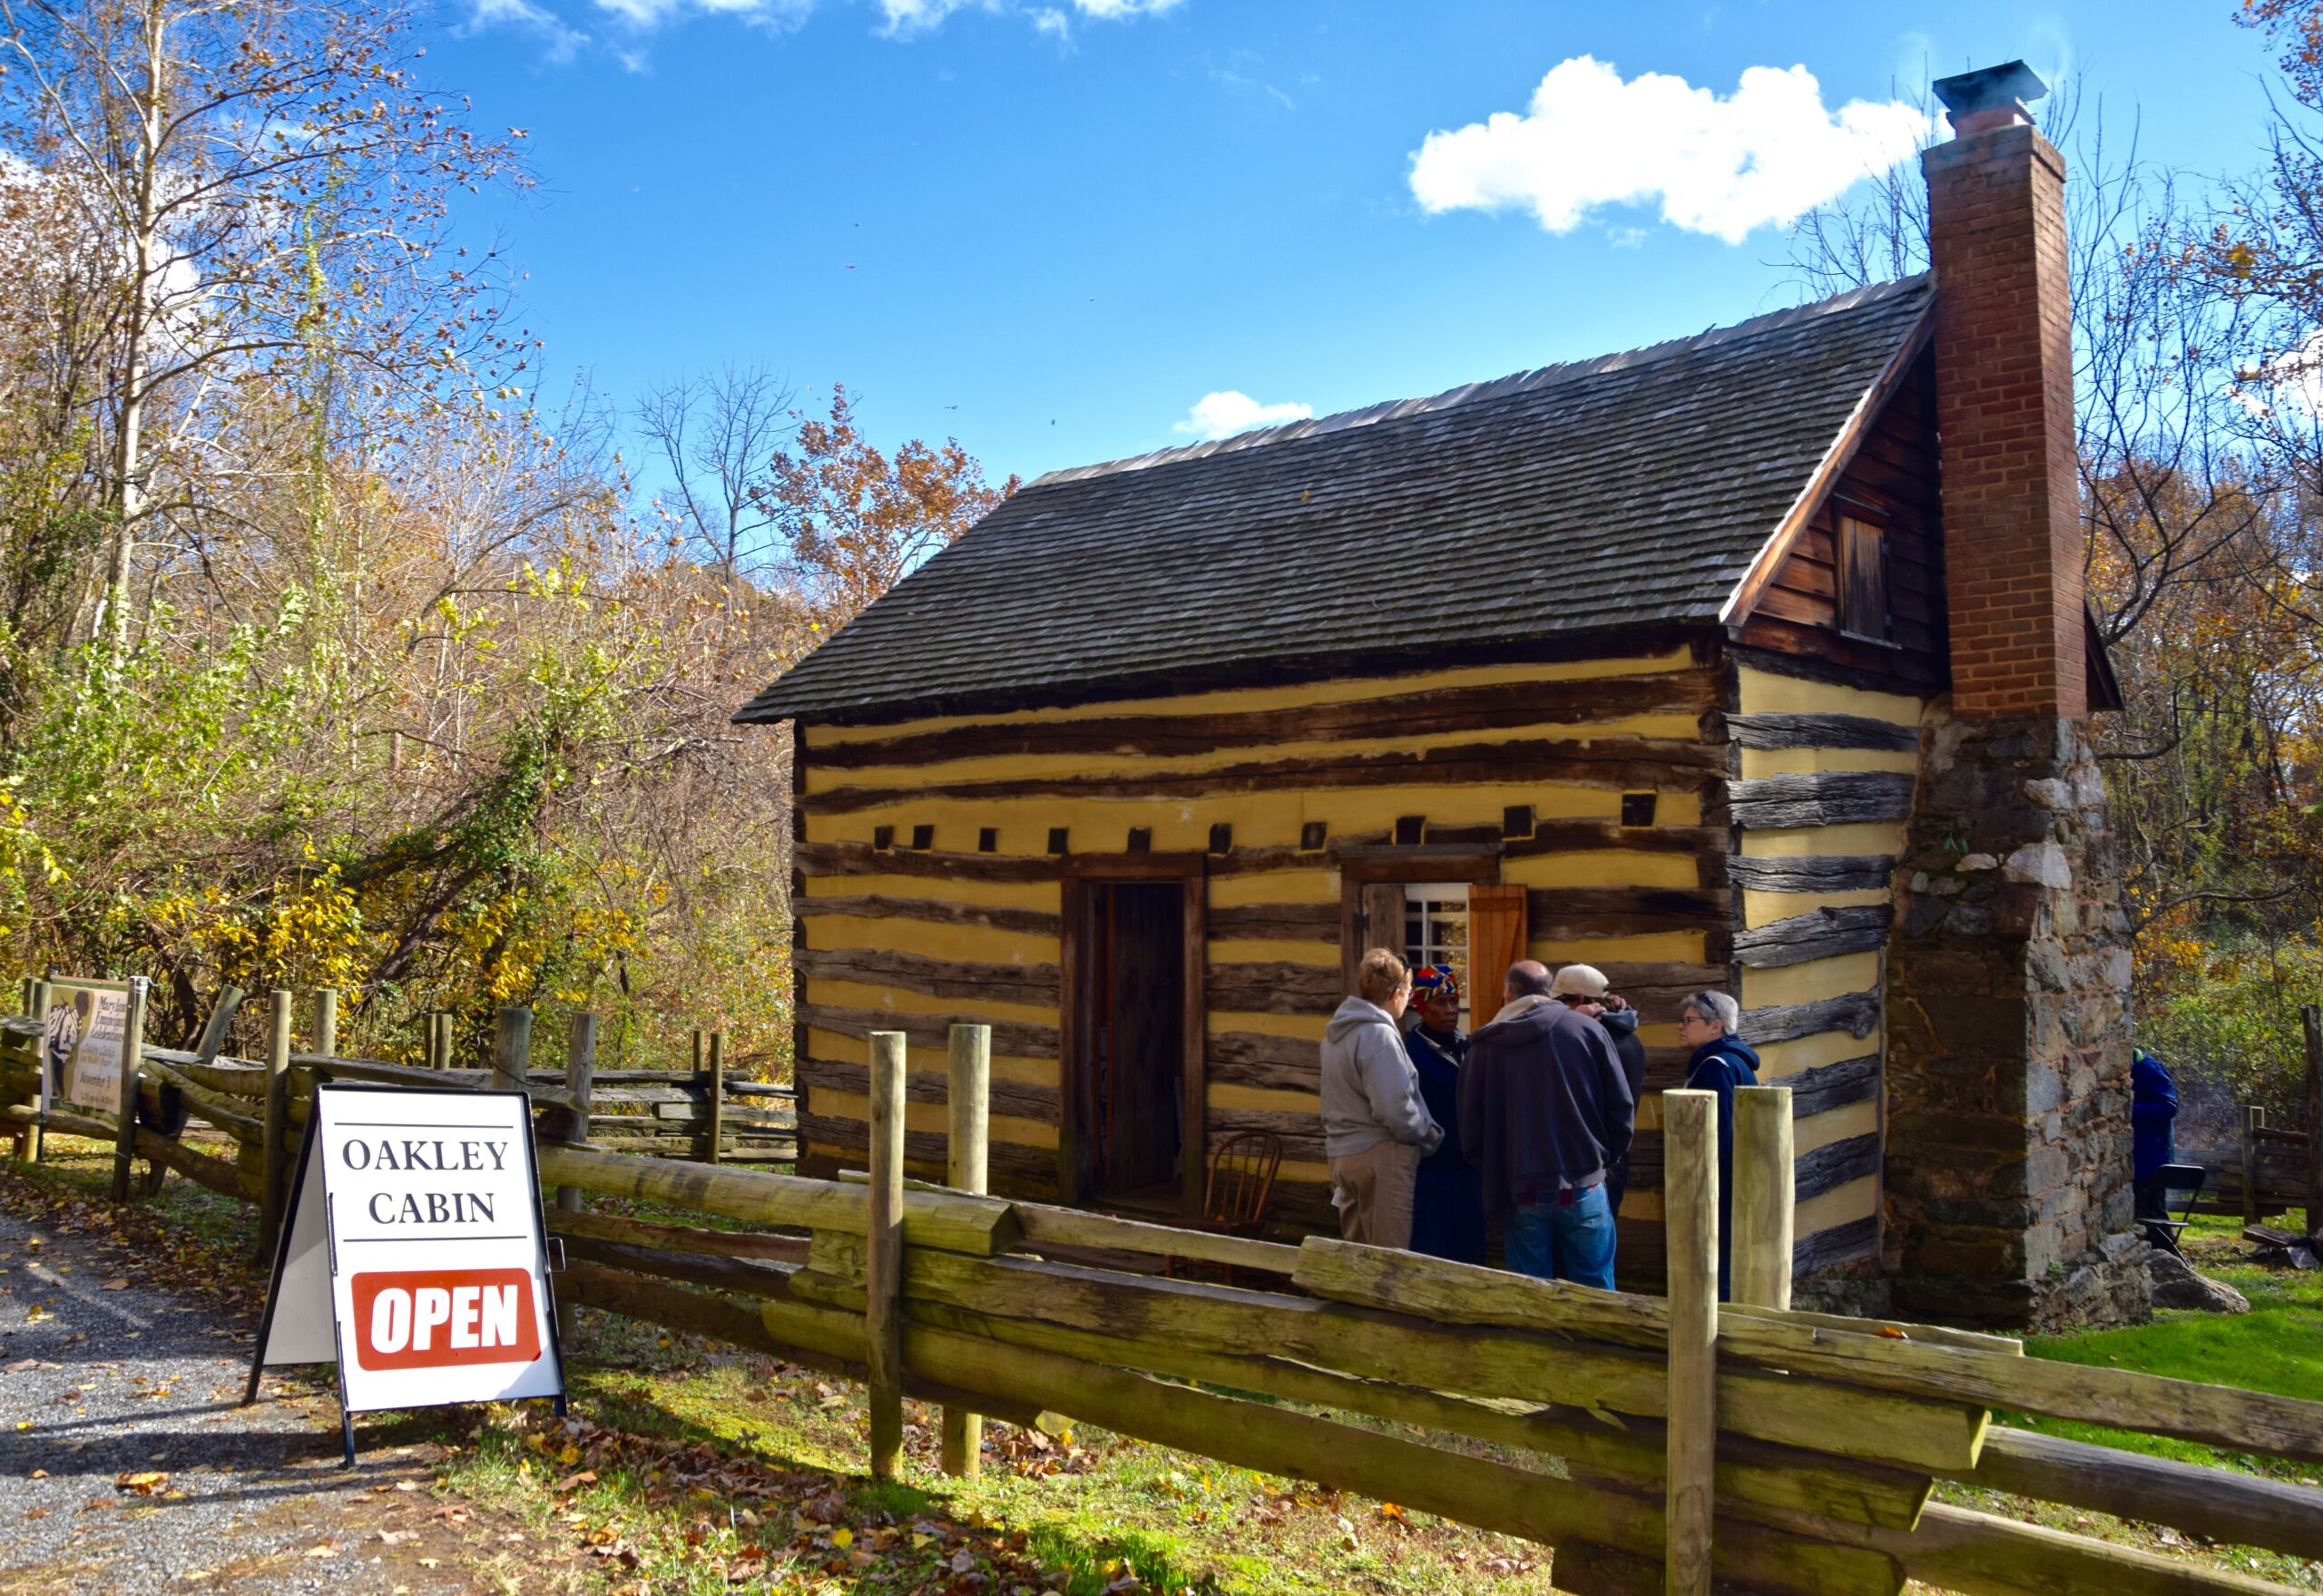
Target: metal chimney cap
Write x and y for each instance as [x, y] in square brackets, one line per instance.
[2011, 87]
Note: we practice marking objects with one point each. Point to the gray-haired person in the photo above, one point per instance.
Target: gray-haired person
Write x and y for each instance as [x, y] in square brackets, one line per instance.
[1721, 1061]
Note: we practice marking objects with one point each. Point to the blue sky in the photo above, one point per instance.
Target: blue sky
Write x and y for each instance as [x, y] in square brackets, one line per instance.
[1051, 228]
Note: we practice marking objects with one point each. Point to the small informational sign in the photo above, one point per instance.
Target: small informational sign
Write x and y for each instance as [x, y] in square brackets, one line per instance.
[86, 1036]
[413, 1256]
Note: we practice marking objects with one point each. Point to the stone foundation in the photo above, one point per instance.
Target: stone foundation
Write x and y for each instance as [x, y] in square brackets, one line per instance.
[2008, 1051]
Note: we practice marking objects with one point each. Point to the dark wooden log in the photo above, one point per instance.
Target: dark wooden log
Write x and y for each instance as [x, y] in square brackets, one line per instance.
[1388, 717]
[1856, 1013]
[1274, 988]
[1834, 1085]
[1828, 798]
[1277, 923]
[1837, 1244]
[1301, 1134]
[1243, 1058]
[1012, 1037]
[1580, 837]
[1037, 922]
[1822, 731]
[1024, 1099]
[1604, 762]
[1820, 933]
[855, 858]
[1814, 873]
[1020, 984]
[1017, 1171]
[1558, 914]
[1834, 1164]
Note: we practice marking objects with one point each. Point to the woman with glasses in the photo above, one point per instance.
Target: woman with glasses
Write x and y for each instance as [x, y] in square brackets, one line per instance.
[1721, 1060]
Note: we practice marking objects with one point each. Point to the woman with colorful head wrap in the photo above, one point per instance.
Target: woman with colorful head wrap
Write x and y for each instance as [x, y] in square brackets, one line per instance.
[1448, 1207]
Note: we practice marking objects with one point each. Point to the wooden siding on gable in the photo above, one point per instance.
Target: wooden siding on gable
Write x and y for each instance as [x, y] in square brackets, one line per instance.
[1892, 483]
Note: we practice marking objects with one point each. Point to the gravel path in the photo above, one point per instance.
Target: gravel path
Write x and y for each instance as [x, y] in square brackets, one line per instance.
[128, 1465]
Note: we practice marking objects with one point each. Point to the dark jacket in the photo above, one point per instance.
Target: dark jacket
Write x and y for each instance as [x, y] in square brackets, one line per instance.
[2154, 1104]
[1439, 1089]
[1448, 1196]
[1720, 1066]
[1620, 1024]
[1543, 1104]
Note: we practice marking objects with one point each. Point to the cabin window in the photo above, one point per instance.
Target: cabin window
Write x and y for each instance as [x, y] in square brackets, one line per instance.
[1863, 580]
[1312, 835]
[988, 840]
[883, 837]
[923, 838]
[1637, 808]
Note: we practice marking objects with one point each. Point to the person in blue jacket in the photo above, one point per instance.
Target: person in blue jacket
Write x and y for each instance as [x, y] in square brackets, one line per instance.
[1721, 1061]
[1448, 1207]
[2153, 1106]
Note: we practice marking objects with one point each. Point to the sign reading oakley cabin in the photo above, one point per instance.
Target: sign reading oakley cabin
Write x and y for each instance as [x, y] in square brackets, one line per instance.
[414, 1255]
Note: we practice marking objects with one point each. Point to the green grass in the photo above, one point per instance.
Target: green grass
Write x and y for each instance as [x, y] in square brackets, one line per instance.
[703, 1464]
[2277, 1346]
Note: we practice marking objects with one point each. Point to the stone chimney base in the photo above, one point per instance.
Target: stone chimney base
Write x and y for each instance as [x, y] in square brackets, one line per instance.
[2008, 1052]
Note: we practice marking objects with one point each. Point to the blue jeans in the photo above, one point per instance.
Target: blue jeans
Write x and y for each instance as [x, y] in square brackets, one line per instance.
[1572, 1241]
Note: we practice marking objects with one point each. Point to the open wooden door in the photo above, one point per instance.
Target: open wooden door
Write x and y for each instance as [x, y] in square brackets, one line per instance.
[1497, 937]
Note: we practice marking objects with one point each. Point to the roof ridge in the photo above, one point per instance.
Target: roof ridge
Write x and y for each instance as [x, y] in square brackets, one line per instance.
[1492, 388]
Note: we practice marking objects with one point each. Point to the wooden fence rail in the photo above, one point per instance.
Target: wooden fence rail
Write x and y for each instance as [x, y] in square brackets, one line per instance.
[1656, 1444]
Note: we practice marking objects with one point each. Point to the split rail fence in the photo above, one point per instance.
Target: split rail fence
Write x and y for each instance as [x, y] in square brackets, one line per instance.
[1656, 1443]
[188, 1102]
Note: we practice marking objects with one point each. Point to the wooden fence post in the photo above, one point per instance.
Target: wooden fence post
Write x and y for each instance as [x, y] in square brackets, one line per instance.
[212, 1040]
[580, 1075]
[511, 1048]
[884, 1254]
[326, 1037]
[2311, 1016]
[967, 1166]
[133, 1064]
[276, 1125]
[36, 1005]
[1763, 1196]
[717, 1096]
[1690, 1197]
[2254, 1119]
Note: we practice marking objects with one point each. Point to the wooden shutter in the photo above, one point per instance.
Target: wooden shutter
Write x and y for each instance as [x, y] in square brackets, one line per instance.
[1863, 579]
[1497, 939]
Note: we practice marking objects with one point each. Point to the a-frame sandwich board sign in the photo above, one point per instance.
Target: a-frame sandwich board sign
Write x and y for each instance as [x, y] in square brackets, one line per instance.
[414, 1256]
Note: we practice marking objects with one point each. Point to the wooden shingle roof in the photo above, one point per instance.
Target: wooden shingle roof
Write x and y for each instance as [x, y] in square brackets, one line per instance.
[1632, 491]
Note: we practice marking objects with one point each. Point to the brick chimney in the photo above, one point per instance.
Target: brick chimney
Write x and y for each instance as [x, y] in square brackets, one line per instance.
[2003, 384]
[2007, 975]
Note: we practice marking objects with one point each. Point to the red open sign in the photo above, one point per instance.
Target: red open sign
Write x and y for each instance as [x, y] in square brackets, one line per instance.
[441, 1319]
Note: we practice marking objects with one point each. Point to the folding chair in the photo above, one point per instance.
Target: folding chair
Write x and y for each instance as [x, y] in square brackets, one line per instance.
[2189, 1179]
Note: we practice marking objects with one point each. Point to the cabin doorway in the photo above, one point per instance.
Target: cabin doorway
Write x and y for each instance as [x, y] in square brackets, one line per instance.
[1130, 992]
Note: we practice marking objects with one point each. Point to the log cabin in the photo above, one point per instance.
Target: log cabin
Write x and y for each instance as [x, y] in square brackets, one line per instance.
[1654, 661]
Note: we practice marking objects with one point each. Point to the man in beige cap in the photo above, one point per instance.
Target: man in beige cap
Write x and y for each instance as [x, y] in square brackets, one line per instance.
[1584, 987]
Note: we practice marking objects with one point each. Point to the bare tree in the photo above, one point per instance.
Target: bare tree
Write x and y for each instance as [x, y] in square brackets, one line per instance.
[715, 434]
[271, 184]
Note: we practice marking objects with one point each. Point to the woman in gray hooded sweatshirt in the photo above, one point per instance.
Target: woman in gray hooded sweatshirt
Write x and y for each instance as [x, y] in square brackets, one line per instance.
[1375, 1127]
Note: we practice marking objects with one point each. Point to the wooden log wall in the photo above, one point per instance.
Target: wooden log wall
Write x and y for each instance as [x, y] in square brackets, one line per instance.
[934, 853]
[1824, 780]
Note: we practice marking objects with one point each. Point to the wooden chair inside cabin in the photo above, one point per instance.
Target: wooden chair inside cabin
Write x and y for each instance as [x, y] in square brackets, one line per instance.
[1234, 1199]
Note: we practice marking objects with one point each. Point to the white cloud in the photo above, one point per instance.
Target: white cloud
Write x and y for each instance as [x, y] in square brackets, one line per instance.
[1218, 416]
[1721, 166]
[907, 18]
[562, 41]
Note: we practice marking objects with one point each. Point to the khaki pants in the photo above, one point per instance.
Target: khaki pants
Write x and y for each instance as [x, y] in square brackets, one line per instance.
[1373, 1192]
